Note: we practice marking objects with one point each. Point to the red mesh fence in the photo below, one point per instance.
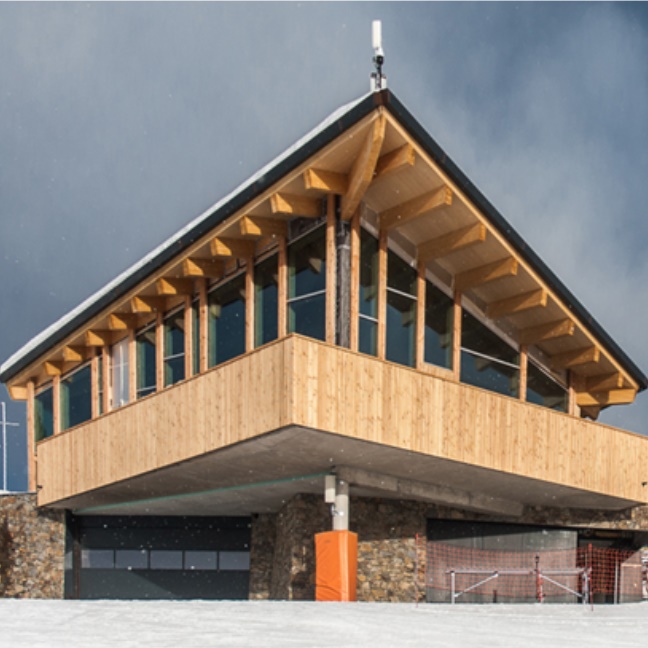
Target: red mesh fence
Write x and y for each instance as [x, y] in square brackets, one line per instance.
[587, 574]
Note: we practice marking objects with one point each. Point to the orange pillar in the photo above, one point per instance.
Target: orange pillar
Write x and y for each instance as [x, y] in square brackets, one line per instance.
[336, 566]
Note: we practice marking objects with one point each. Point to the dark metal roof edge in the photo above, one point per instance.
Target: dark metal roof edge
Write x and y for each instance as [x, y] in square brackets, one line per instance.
[248, 193]
[484, 205]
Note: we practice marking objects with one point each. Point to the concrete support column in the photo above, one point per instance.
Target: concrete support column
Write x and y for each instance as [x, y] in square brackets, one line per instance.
[341, 507]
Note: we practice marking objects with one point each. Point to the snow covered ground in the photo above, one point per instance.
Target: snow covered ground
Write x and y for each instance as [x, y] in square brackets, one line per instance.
[180, 624]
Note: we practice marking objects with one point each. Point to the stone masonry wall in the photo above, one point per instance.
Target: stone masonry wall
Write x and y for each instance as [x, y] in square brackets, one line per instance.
[32, 548]
[262, 551]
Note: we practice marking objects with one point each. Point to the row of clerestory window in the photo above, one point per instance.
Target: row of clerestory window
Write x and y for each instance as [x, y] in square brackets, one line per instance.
[486, 360]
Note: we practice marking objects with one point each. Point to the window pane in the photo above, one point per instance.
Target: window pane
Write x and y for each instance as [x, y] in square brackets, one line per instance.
[368, 336]
[266, 301]
[489, 374]
[307, 316]
[163, 559]
[307, 264]
[97, 559]
[200, 560]
[477, 337]
[131, 559]
[76, 398]
[401, 328]
[43, 414]
[100, 384]
[400, 275]
[174, 348]
[227, 321]
[368, 275]
[234, 560]
[146, 369]
[543, 390]
[438, 326]
[195, 310]
[120, 373]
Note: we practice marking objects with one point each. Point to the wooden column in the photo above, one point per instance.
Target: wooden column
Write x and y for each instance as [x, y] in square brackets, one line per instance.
[56, 404]
[282, 288]
[204, 321]
[456, 336]
[524, 372]
[188, 336]
[159, 351]
[107, 378]
[354, 289]
[132, 367]
[331, 269]
[249, 305]
[382, 293]
[420, 316]
[31, 437]
[94, 384]
[572, 380]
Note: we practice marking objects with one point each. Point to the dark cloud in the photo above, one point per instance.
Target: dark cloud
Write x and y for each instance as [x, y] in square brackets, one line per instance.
[121, 122]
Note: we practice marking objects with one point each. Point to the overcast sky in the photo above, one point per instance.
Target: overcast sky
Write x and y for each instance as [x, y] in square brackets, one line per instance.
[121, 122]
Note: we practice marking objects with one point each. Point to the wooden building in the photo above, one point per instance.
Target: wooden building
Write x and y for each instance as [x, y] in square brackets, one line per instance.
[358, 309]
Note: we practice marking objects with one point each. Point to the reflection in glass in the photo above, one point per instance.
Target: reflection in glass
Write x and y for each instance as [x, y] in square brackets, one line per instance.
[97, 559]
[131, 559]
[76, 398]
[401, 311]
[439, 310]
[146, 362]
[543, 390]
[227, 321]
[166, 559]
[200, 560]
[234, 560]
[174, 348]
[368, 294]
[266, 301]
[120, 373]
[43, 414]
[195, 336]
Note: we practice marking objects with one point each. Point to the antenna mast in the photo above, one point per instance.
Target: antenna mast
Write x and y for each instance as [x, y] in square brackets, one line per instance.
[378, 79]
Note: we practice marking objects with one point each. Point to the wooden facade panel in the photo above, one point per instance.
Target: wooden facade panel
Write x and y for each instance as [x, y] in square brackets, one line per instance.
[298, 381]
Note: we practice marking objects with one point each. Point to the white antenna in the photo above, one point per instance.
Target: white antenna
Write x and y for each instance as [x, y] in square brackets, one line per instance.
[378, 79]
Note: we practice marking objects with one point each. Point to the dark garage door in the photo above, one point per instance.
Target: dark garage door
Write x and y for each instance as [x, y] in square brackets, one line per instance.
[158, 557]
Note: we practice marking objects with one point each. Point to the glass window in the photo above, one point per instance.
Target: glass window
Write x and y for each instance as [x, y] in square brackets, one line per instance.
[401, 311]
[100, 384]
[307, 285]
[227, 321]
[486, 360]
[131, 559]
[166, 559]
[195, 336]
[368, 294]
[43, 414]
[266, 301]
[174, 348]
[200, 560]
[146, 362]
[120, 374]
[97, 559]
[76, 398]
[234, 560]
[439, 309]
[543, 390]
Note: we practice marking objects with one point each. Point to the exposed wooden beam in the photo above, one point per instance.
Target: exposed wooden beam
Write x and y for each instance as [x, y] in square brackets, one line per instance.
[575, 358]
[173, 286]
[75, 353]
[255, 226]
[17, 392]
[95, 338]
[484, 274]
[415, 208]
[394, 161]
[451, 242]
[517, 304]
[364, 167]
[326, 181]
[611, 397]
[227, 247]
[590, 412]
[291, 205]
[122, 321]
[148, 304]
[202, 268]
[550, 331]
[604, 382]
[53, 367]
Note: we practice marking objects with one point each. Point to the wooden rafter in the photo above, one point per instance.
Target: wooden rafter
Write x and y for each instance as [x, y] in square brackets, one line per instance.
[484, 274]
[197, 268]
[172, 286]
[576, 358]
[415, 208]
[328, 182]
[394, 161]
[604, 382]
[258, 227]
[291, 205]
[95, 338]
[75, 353]
[53, 367]
[550, 331]
[122, 321]
[590, 412]
[517, 304]
[364, 167]
[457, 240]
[148, 304]
[228, 247]
[17, 392]
[611, 397]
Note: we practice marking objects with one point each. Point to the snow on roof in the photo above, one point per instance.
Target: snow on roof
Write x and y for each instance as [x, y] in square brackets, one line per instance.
[9, 365]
